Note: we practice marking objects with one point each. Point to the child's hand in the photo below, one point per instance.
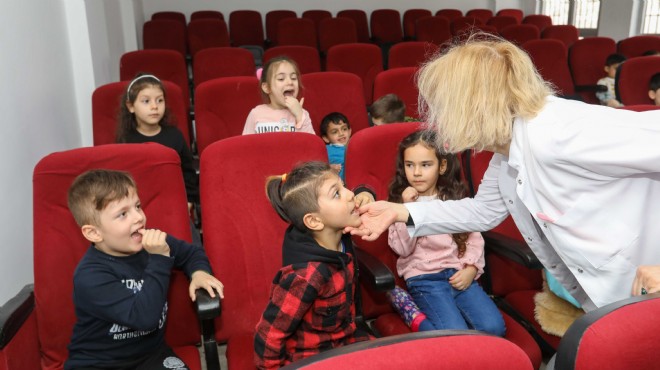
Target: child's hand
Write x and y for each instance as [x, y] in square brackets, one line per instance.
[296, 108]
[336, 167]
[153, 241]
[204, 280]
[614, 103]
[409, 195]
[363, 198]
[462, 279]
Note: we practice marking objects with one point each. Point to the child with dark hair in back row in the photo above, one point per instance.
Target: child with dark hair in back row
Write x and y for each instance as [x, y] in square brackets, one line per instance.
[120, 285]
[608, 97]
[336, 131]
[387, 109]
[312, 299]
[654, 88]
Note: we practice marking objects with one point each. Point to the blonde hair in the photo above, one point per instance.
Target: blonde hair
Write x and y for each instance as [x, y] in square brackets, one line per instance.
[471, 93]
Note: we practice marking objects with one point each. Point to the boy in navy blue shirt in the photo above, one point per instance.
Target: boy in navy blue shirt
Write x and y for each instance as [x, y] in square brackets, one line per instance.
[120, 285]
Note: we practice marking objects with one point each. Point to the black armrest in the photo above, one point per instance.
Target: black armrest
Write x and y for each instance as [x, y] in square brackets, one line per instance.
[590, 88]
[375, 272]
[208, 308]
[14, 313]
[512, 249]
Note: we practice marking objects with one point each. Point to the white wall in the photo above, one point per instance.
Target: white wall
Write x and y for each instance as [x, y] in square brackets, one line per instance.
[618, 18]
[39, 116]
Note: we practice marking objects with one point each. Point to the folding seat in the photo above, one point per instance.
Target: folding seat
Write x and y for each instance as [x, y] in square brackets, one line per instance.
[622, 335]
[242, 233]
[221, 108]
[106, 101]
[335, 31]
[501, 21]
[450, 14]
[246, 28]
[551, 60]
[566, 33]
[207, 33]
[386, 27]
[632, 79]
[411, 16]
[316, 16]
[456, 349]
[361, 23]
[165, 34]
[364, 60]
[520, 33]
[541, 21]
[640, 107]
[206, 14]
[177, 16]
[327, 92]
[433, 29]
[586, 59]
[516, 13]
[306, 57]
[297, 31]
[462, 24]
[274, 17]
[636, 46]
[165, 64]
[482, 14]
[399, 81]
[59, 246]
[361, 169]
[222, 62]
[410, 53]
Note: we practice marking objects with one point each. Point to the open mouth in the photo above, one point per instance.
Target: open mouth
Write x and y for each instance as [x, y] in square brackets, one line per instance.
[289, 93]
[136, 235]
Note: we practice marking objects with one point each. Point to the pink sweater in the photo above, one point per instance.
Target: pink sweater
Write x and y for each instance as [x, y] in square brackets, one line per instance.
[263, 118]
[433, 253]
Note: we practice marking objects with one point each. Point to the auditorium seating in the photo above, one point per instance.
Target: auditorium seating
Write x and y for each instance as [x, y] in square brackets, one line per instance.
[541, 21]
[399, 81]
[410, 53]
[433, 29]
[586, 59]
[386, 27]
[636, 46]
[274, 17]
[411, 16]
[219, 62]
[361, 23]
[632, 79]
[246, 28]
[297, 31]
[165, 34]
[364, 60]
[566, 33]
[306, 57]
[450, 14]
[335, 31]
[207, 33]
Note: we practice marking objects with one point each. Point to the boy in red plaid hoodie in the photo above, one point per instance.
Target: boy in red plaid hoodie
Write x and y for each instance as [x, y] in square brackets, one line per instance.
[311, 306]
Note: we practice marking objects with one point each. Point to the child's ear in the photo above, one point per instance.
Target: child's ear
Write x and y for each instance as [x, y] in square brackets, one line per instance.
[265, 88]
[91, 233]
[652, 95]
[325, 138]
[442, 166]
[130, 106]
[313, 222]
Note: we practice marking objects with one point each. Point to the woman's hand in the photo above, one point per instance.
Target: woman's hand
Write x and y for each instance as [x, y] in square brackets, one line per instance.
[647, 279]
[377, 217]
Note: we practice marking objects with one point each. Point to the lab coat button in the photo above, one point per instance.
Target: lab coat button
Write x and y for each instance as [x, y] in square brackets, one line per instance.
[545, 225]
[520, 181]
[529, 239]
[580, 270]
[553, 266]
[574, 288]
[510, 201]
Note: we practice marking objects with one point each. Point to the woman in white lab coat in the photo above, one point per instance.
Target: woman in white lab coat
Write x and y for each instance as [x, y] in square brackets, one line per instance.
[582, 182]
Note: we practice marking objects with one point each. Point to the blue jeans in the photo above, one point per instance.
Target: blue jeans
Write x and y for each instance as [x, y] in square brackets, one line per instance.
[448, 308]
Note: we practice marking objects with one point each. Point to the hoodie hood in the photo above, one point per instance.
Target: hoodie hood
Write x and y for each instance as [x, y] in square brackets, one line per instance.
[300, 247]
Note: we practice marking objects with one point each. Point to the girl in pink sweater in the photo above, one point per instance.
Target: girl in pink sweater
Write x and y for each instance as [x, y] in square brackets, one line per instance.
[440, 270]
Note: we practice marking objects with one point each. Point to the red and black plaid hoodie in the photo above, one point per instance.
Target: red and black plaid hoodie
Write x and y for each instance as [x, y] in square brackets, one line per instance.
[311, 306]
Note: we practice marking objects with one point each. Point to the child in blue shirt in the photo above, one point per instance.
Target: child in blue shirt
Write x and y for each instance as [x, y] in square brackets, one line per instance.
[336, 131]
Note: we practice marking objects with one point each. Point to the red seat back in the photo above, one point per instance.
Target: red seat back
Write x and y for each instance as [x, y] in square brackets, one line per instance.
[464, 24]
[410, 53]
[501, 21]
[327, 92]
[176, 16]
[207, 33]
[566, 33]
[361, 23]
[274, 17]
[551, 59]
[246, 28]
[411, 16]
[335, 31]
[306, 57]
[242, 233]
[165, 34]
[316, 16]
[59, 244]
[516, 13]
[213, 63]
[433, 29]
[206, 14]
[520, 33]
[165, 64]
[450, 14]
[364, 60]
[636, 46]
[586, 59]
[632, 79]
[297, 31]
[482, 14]
[541, 21]
[222, 106]
[399, 81]
[386, 26]
[106, 101]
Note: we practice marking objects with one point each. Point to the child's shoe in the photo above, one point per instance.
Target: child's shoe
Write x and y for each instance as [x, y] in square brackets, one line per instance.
[406, 307]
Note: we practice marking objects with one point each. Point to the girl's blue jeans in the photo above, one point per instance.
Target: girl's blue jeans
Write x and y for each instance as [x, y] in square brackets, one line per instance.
[448, 308]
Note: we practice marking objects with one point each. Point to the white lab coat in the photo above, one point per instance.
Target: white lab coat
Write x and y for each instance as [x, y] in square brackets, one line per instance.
[590, 177]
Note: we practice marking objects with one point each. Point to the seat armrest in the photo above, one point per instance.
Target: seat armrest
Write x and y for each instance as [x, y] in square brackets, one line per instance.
[14, 313]
[208, 308]
[590, 88]
[374, 272]
[515, 250]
